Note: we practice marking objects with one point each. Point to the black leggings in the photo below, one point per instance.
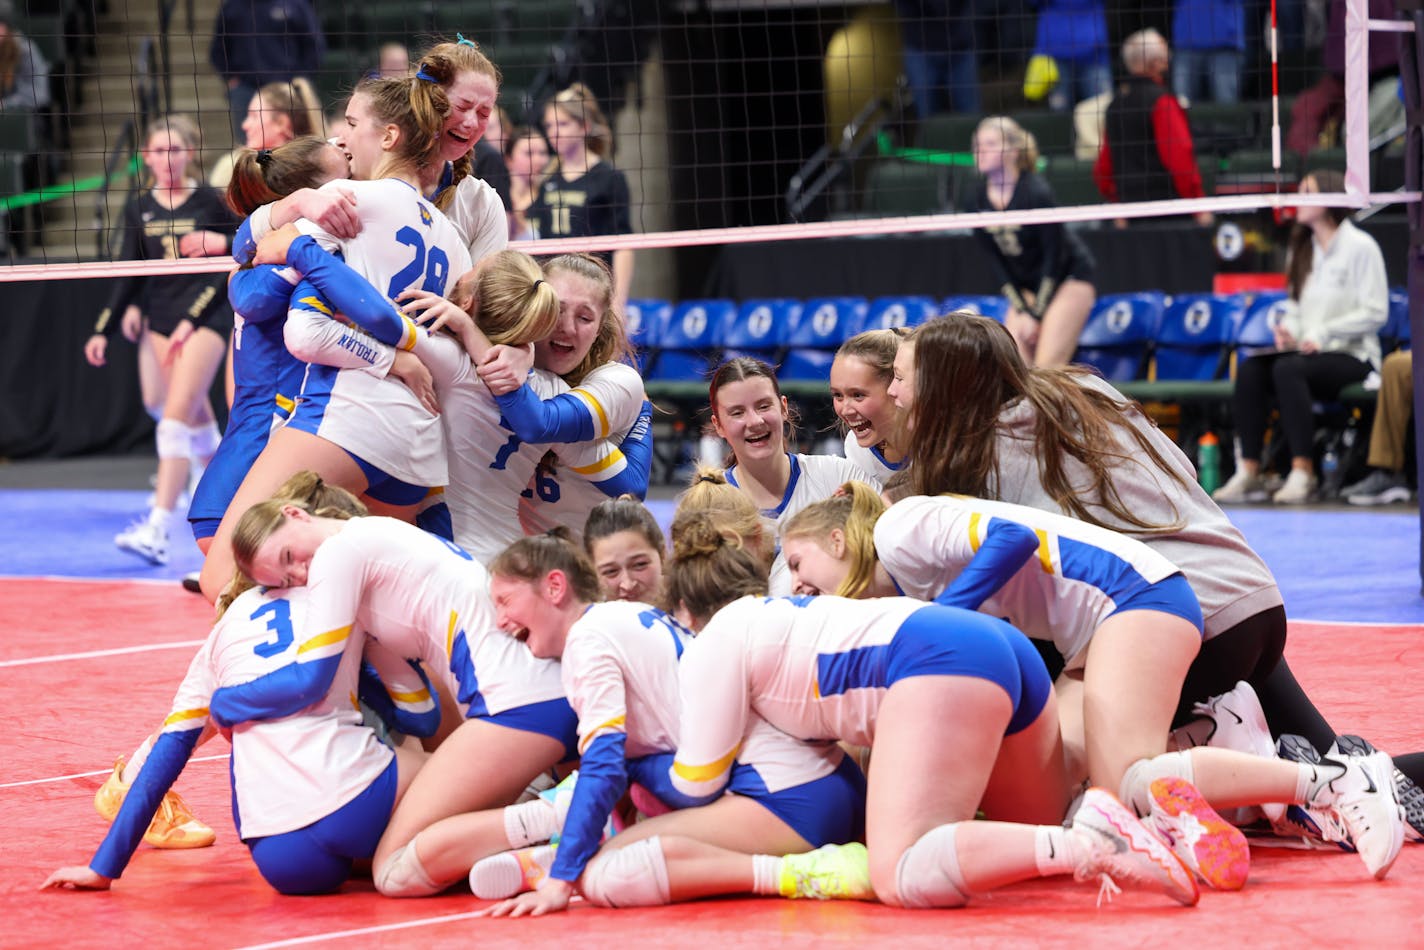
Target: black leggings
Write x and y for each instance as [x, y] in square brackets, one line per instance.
[1253, 651]
[1297, 380]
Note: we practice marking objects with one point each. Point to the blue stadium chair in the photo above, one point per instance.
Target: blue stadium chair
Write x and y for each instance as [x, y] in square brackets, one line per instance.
[1395, 335]
[760, 328]
[886, 313]
[1256, 331]
[986, 305]
[1194, 335]
[822, 326]
[1119, 332]
[645, 320]
[690, 340]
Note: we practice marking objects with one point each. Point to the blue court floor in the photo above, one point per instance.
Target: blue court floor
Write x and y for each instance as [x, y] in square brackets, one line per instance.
[1333, 564]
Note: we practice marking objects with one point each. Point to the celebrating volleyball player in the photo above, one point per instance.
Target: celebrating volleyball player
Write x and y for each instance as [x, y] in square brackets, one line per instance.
[311, 792]
[626, 546]
[1128, 625]
[860, 379]
[982, 423]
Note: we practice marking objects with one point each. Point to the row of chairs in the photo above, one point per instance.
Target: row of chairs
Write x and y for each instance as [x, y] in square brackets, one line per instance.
[1146, 336]
[682, 342]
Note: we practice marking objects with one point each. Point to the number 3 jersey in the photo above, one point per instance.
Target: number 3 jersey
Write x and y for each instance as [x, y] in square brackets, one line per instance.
[405, 243]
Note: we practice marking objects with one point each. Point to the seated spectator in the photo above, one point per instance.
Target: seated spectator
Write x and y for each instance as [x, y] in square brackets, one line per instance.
[497, 131]
[1336, 278]
[527, 157]
[1088, 117]
[1147, 152]
[278, 113]
[24, 74]
[392, 62]
[1393, 411]
[1316, 114]
[1075, 34]
[937, 52]
[256, 42]
[1209, 37]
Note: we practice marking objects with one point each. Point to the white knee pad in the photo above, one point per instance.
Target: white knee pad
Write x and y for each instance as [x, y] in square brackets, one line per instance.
[1136, 788]
[405, 876]
[928, 874]
[635, 876]
[203, 441]
[173, 438]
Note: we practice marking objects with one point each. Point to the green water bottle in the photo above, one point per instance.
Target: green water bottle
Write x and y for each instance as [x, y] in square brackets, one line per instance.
[1209, 462]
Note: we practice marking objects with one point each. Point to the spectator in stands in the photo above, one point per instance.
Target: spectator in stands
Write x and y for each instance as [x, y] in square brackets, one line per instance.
[497, 132]
[24, 74]
[1336, 278]
[584, 194]
[489, 168]
[1074, 33]
[256, 42]
[1393, 411]
[1316, 114]
[1044, 269]
[278, 113]
[1209, 37]
[938, 56]
[527, 157]
[393, 61]
[1147, 152]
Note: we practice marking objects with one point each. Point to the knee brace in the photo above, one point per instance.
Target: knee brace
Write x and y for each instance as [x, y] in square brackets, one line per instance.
[203, 441]
[405, 876]
[928, 874]
[635, 876]
[1136, 788]
[174, 439]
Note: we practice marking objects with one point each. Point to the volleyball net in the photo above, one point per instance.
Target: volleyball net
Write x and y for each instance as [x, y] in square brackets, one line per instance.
[761, 122]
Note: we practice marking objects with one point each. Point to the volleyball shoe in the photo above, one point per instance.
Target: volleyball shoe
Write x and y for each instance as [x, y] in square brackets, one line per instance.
[1211, 847]
[831, 872]
[511, 872]
[173, 826]
[1119, 849]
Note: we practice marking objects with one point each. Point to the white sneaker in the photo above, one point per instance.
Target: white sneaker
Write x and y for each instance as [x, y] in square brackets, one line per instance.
[512, 872]
[145, 539]
[1241, 488]
[1362, 796]
[1234, 720]
[1119, 849]
[1299, 488]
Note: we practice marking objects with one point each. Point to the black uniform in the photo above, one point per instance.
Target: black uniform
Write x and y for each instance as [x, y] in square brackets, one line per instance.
[596, 203]
[1035, 257]
[151, 233]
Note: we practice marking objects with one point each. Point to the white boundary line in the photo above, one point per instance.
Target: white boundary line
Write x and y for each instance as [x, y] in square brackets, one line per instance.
[361, 931]
[66, 778]
[118, 651]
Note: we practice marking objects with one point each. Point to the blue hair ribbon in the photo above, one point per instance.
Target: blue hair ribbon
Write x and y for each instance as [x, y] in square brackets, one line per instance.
[422, 74]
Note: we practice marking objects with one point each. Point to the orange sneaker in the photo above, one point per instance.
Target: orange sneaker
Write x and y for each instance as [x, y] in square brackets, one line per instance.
[173, 827]
[1215, 850]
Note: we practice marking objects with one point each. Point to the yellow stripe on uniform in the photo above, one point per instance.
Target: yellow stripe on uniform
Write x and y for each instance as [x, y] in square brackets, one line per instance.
[701, 773]
[355, 703]
[603, 464]
[616, 724]
[184, 716]
[974, 540]
[316, 303]
[325, 639]
[595, 409]
[283, 403]
[408, 334]
[421, 695]
[1045, 553]
[450, 633]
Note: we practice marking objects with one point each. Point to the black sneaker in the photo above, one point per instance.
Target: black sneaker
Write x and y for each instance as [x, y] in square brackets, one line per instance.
[1378, 488]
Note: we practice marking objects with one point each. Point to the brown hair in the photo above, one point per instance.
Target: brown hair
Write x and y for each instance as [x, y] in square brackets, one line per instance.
[580, 104]
[261, 177]
[854, 510]
[516, 304]
[967, 371]
[1015, 137]
[298, 101]
[447, 61]
[711, 566]
[611, 344]
[305, 490]
[624, 513]
[741, 368]
[531, 558]
[1300, 258]
[417, 107]
[9, 56]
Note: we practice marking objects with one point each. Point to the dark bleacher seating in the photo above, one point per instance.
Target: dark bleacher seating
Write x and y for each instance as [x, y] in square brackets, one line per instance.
[644, 321]
[896, 187]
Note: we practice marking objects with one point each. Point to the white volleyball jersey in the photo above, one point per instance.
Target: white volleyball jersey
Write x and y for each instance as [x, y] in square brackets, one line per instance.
[809, 666]
[288, 772]
[871, 461]
[613, 395]
[405, 243]
[620, 675]
[813, 478]
[479, 214]
[1071, 583]
[425, 599]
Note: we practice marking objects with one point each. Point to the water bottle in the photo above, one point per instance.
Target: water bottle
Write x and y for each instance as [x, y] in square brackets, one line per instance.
[1209, 462]
[1329, 473]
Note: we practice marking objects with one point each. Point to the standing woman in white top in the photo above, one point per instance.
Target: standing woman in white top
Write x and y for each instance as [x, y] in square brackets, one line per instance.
[358, 429]
[860, 382]
[751, 414]
[1329, 339]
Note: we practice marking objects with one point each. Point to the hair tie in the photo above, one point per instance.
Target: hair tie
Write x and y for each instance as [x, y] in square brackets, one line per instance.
[710, 479]
[461, 41]
[264, 157]
[422, 74]
[535, 286]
